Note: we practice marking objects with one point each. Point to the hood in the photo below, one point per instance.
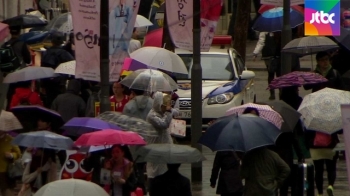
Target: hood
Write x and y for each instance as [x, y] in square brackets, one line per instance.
[157, 101]
[184, 90]
[141, 101]
[74, 86]
[23, 92]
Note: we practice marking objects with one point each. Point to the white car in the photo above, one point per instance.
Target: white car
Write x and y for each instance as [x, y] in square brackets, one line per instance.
[226, 83]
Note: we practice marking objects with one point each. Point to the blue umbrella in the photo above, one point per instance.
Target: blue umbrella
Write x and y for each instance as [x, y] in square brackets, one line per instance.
[43, 139]
[25, 21]
[240, 133]
[37, 37]
[25, 36]
[78, 126]
[272, 20]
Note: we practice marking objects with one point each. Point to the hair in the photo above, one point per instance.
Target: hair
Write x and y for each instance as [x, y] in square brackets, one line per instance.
[249, 110]
[71, 37]
[138, 92]
[321, 54]
[45, 119]
[15, 30]
[125, 149]
[57, 38]
[133, 31]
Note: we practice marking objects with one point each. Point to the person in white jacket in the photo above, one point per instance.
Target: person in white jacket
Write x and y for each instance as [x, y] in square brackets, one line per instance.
[269, 44]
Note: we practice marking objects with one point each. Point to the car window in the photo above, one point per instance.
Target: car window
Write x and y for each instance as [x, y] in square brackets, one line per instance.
[239, 65]
[214, 67]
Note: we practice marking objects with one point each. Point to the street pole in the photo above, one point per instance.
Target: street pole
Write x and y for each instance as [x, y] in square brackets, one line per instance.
[196, 91]
[105, 104]
[286, 61]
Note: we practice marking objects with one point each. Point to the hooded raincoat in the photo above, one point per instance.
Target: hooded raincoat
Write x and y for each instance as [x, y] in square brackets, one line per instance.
[161, 122]
[138, 107]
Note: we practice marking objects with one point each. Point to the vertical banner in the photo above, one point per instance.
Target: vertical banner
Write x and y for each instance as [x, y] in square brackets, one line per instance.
[86, 23]
[345, 113]
[180, 22]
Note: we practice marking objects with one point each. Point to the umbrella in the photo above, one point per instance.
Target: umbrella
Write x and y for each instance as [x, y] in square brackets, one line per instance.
[131, 65]
[240, 133]
[66, 68]
[296, 78]
[309, 45]
[33, 36]
[62, 23]
[168, 154]
[265, 111]
[149, 80]
[43, 139]
[109, 137]
[4, 31]
[160, 58]
[154, 38]
[346, 80]
[321, 110]
[344, 37]
[29, 73]
[290, 115]
[30, 114]
[25, 21]
[9, 122]
[272, 20]
[143, 128]
[72, 187]
[263, 8]
[78, 126]
[142, 21]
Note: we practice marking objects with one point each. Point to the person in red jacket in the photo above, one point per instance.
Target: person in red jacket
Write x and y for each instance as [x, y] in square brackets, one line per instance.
[119, 98]
[25, 96]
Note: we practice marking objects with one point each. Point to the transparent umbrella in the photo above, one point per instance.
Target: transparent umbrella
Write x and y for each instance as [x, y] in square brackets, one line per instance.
[62, 23]
[149, 80]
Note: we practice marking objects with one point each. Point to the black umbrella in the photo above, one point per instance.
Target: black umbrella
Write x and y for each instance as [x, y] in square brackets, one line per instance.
[290, 115]
[25, 21]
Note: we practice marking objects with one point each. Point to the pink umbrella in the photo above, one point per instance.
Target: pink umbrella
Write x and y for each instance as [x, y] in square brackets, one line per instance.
[265, 111]
[4, 31]
[154, 38]
[109, 137]
[297, 78]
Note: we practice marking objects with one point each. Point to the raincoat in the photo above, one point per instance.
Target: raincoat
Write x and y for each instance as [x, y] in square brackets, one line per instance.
[138, 107]
[161, 122]
[26, 95]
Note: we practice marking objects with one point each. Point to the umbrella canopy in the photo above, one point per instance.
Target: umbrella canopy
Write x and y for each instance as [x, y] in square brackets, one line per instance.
[272, 20]
[109, 137]
[149, 80]
[78, 126]
[72, 187]
[25, 21]
[344, 37]
[263, 8]
[290, 115]
[34, 37]
[265, 111]
[66, 68]
[240, 133]
[9, 122]
[142, 21]
[309, 45]
[43, 139]
[30, 73]
[4, 31]
[160, 58]
[297, 78]
[168, 154]
[154, 38]
[62, 23]
[321, 110]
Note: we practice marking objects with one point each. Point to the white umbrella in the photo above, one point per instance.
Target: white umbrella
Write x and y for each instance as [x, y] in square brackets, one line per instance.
[66, 68]
[160, 58]
[71, 187]
[30, 73]
[9, 122]
[142, 21]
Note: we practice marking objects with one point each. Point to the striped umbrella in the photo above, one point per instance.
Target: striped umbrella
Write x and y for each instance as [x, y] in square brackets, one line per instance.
[265, 111]
[296, 78]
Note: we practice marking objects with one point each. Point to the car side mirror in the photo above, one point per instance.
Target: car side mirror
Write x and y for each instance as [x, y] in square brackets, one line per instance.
[246, 75]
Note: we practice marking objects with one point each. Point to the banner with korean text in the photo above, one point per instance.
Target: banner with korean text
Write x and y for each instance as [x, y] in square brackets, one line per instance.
[180, 22]
[86, 23]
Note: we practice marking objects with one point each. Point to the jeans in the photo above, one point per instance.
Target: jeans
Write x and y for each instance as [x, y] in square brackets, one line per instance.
[331, 172]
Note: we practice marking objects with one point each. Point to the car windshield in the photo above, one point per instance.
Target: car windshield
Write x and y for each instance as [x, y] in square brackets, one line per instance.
[214, 67]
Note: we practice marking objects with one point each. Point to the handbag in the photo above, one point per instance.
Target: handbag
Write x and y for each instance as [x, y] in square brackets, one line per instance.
[15, 169]
[178, 128]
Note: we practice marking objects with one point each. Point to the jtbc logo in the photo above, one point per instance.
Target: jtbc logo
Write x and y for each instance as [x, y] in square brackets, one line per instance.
[322, 18]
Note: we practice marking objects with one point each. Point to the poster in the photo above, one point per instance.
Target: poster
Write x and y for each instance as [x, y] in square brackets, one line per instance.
[180, 22]
[86, 22]
[97, 108]
[345, 113]
[73, 167]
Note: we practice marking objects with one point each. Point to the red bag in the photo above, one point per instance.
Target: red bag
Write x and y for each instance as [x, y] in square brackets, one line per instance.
[137, 192]
[322, 139]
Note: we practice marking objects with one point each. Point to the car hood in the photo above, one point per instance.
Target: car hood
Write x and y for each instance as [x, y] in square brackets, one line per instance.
[184, 90]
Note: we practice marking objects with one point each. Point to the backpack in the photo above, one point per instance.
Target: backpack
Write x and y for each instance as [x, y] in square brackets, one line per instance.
[322, 139]
[9, 61]
[25, 100]
[52, 58]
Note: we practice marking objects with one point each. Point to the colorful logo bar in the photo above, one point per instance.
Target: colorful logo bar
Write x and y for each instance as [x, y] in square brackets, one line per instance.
[322, 17]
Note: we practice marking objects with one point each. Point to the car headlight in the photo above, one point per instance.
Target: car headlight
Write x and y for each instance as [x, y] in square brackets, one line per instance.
[220, 99]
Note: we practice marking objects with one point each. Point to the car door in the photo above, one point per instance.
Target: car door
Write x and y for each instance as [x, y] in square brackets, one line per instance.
[249, 88]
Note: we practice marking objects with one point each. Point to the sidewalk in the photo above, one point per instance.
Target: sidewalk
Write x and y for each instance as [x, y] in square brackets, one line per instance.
[259, 65]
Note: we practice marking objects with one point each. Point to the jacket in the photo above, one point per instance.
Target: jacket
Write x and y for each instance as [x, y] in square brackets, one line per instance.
[70, 104]
[264, 172]
[267, 45]
[6, 146]
[138, 107]
[171, 183]
[54, 56]
[334, 81]
[25, 94]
